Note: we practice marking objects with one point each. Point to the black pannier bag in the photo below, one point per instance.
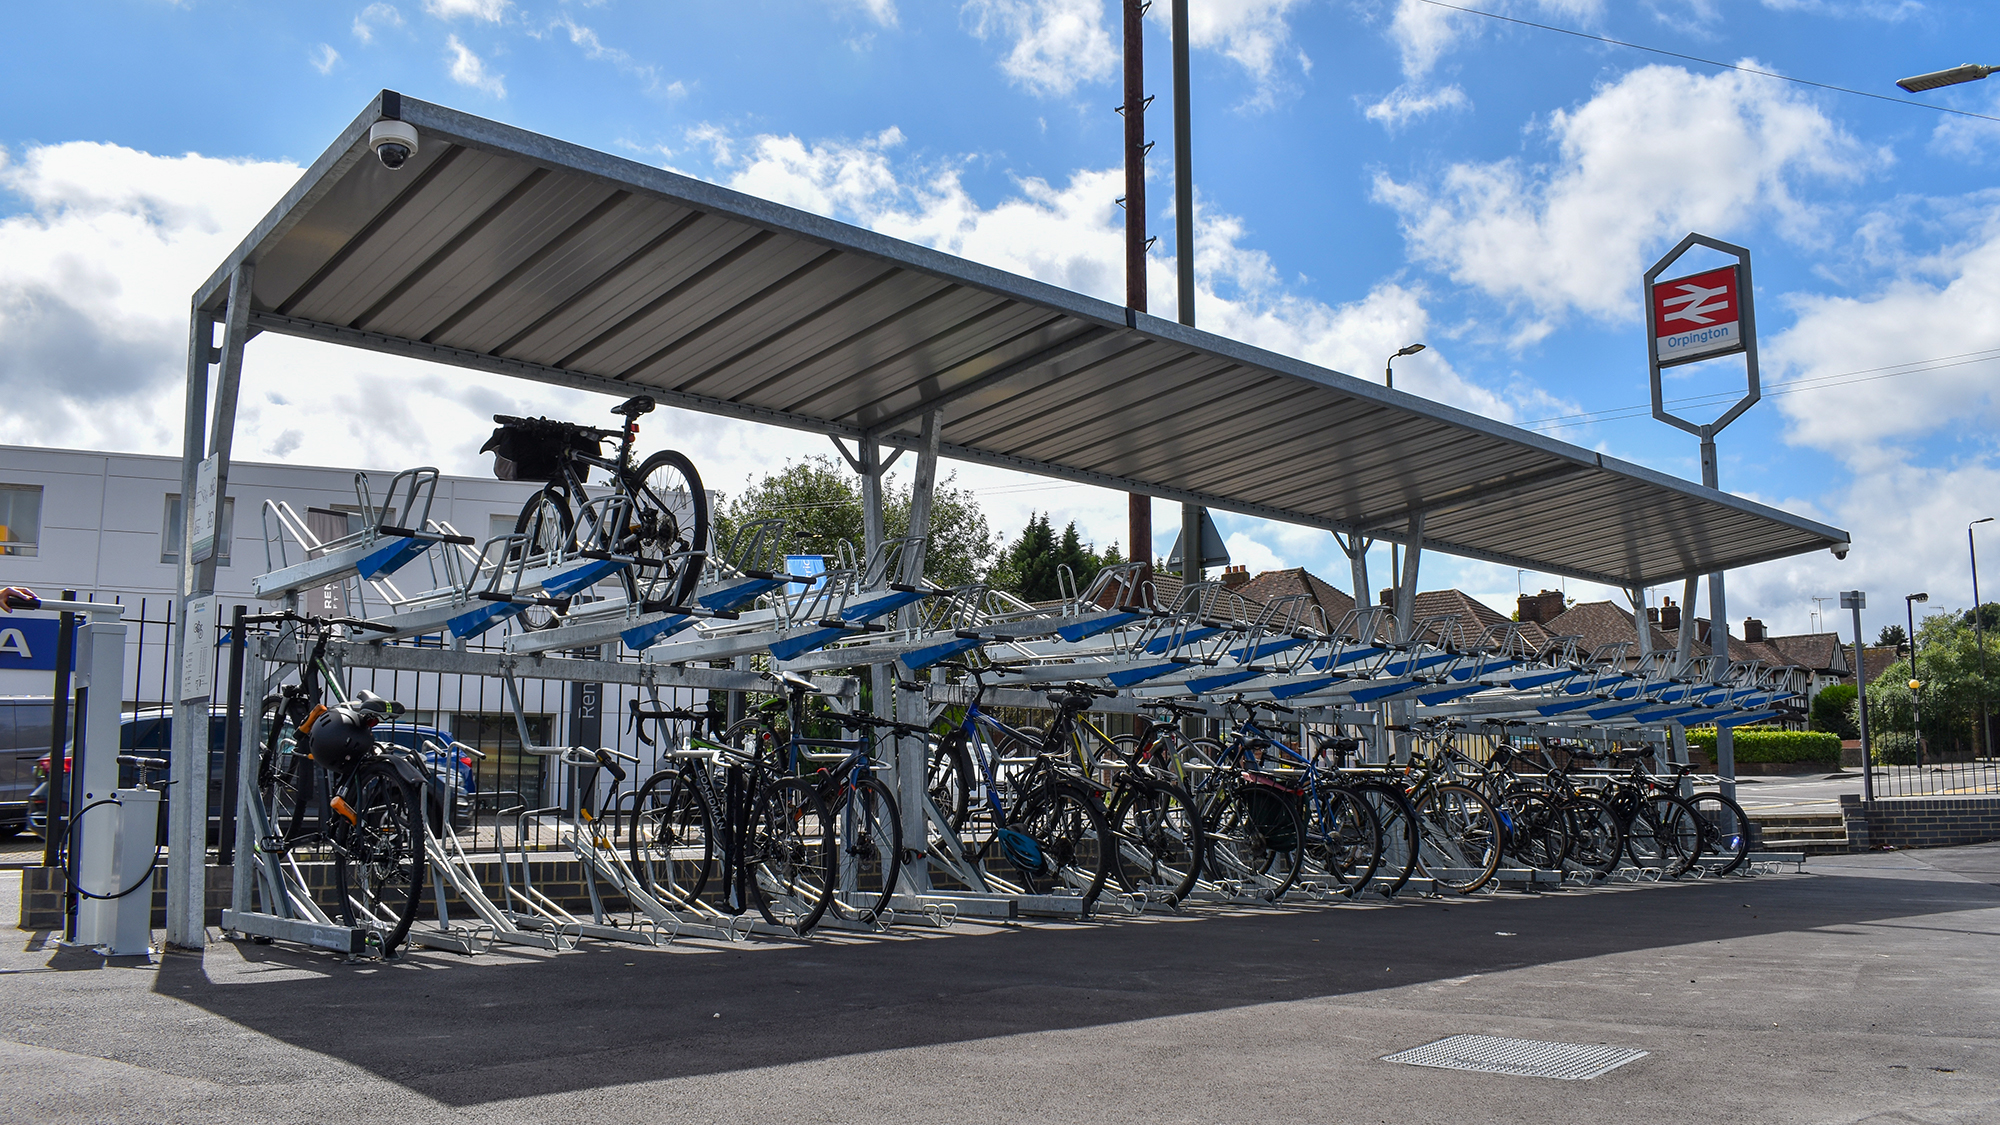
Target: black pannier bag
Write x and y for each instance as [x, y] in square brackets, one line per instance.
[535, 448]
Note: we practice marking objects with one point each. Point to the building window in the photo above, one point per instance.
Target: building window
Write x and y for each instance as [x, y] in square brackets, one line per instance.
[170, 532]
[20, 518]
[500, 526]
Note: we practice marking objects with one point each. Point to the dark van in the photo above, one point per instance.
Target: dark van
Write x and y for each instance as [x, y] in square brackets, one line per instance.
[24, 740]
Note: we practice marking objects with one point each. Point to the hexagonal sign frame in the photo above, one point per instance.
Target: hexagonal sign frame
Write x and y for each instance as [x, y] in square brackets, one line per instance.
[1701, 316]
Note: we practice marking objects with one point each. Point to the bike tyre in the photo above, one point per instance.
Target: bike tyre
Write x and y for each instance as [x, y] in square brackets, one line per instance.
[792, 855]
[379, 860]
[1725, 829]
[670, 507]
[1068, 824]
[877, 849]
[1160, 841]
[1462, 838]
[671, 814]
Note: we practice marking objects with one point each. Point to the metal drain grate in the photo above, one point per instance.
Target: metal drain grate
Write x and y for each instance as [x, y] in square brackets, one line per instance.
[1530, 1058]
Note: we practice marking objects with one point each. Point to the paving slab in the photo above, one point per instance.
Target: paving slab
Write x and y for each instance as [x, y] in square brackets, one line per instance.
[1862, 991]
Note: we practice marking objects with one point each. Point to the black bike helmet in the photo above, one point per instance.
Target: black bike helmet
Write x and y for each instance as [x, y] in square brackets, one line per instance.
[344, 735]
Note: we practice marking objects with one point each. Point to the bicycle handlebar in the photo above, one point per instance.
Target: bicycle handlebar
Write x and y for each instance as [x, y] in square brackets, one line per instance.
[315, 621]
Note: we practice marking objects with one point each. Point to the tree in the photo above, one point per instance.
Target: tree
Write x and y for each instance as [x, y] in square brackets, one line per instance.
[1832, 710]
[1949, 667]
[820, 502]
[1032, 564]
[1892, 636]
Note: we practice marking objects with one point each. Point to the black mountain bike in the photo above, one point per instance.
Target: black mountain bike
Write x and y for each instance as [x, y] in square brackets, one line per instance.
[365, 811]
[654, 518]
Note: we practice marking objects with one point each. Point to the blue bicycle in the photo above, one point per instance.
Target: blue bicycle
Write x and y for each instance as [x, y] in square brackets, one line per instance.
[1038, 826]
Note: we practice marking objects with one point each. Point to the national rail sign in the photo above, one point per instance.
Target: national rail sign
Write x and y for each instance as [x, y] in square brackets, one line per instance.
[1698, 316]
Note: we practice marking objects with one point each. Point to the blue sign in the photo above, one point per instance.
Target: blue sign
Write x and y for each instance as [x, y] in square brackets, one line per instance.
[30, 643]
[814, 565]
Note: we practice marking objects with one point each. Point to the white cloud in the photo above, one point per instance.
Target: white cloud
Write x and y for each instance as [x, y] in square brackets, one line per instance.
[95, 273]
[468, 69]
[1409, 102]
[492, 11]
[1939, 306]
[1250, 552]
[1651, 156]
[1891, 10]
[1253, 33]
[324, 58]
[595, 48]
[374, 15]
[881, 11]
[1056, 44]
[1423, 33]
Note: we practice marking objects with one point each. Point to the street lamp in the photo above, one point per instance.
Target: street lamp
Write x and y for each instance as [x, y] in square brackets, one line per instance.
[1916, 685]
[1970, 72]
[1389, 369]
[1979, 632]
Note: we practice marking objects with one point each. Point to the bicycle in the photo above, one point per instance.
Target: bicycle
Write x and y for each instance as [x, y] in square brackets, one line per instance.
[1662, 830]
[1725, 827]
[1343, 834]
[369, 811]
[654, 519]
[1045, 829]
[1461, 833]
[765, 840]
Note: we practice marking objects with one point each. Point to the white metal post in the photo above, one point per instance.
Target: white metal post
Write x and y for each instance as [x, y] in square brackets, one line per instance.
[101, 659]
[912, 759]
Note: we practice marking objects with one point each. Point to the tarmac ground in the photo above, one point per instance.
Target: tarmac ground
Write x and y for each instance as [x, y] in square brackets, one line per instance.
[1866, 990]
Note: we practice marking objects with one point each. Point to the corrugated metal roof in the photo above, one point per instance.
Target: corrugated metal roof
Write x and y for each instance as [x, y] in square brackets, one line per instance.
[502, 250]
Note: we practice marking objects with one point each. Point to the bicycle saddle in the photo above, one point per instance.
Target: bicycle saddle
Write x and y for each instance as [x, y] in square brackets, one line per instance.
[634, 406]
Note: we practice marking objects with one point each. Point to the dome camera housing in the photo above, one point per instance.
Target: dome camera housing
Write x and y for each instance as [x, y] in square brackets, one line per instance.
[394, 142]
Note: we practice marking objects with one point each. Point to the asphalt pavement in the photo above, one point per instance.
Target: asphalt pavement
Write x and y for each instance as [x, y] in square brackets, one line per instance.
[1862, 991]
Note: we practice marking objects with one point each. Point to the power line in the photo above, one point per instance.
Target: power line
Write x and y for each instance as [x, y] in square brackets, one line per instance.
[1707, 62]
[1785, 387]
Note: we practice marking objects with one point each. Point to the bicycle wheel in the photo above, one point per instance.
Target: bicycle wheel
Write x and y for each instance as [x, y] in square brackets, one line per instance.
[950, 779]
[673, 836]
[1596, 836]
[871, 849]
[790, 855]
[379, 858]
[1400, 835]
[1255, 836]
[1343, 837]
[1665, 833]
[1461, 838]
[669, 519]
[1057, 840]
[1159, 842]
[1538, 833]
[548, 529]
[1725, 829]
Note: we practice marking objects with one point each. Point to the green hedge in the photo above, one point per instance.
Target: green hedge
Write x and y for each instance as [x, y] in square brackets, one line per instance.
[1894, 748]
[1763, 744]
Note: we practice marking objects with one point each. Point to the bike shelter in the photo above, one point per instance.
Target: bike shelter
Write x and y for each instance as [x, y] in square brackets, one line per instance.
[503, 251]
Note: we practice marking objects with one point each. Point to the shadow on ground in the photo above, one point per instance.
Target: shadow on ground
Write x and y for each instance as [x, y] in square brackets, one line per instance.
[500, 1026]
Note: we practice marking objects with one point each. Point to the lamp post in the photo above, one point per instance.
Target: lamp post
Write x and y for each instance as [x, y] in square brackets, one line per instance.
[1389, 369]
[1979, 633]
[1970, 72]
[1916, 684]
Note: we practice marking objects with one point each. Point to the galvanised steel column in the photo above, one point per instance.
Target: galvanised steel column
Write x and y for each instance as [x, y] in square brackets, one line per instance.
[912, 757]
[187, 821]
[1857, 601]
[1406, 610]
[1718, 637]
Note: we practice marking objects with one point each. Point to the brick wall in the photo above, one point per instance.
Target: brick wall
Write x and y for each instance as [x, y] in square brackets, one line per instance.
[1920, 822]
[42, 897]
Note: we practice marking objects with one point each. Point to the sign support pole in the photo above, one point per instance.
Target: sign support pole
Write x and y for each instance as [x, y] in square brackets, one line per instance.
[1703, 316]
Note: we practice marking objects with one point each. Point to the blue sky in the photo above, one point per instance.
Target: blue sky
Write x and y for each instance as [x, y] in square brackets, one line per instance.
[1371, 173]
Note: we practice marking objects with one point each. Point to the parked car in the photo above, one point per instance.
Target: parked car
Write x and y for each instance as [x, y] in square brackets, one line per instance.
[151, 732]
[24, 739]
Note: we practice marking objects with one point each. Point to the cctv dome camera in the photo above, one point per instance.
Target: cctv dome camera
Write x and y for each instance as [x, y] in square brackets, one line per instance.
[394, 142]
[1840, 550]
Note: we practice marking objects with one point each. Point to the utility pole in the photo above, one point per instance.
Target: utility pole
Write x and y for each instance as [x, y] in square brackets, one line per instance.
[1139, 507]
[1191, 514]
